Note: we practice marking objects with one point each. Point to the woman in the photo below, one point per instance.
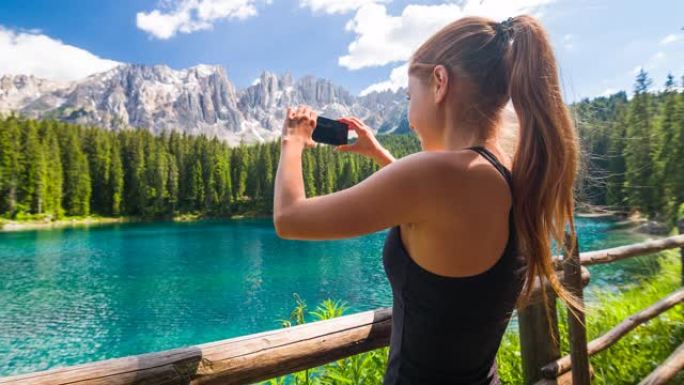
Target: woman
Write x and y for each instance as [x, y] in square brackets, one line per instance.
[469, 226]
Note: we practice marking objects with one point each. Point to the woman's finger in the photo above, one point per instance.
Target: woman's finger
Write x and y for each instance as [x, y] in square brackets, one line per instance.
[358, 122]
[346, 120]
[341, 120]
[352, 125]
[301, 111]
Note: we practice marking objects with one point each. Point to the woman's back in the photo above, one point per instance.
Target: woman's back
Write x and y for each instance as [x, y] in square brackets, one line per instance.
[447, 329]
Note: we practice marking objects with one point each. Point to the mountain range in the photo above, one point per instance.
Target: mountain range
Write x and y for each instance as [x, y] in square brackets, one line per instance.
[195, 100]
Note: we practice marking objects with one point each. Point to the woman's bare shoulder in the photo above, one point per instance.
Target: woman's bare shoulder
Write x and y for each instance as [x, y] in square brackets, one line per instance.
[461, 173]
[474, 177]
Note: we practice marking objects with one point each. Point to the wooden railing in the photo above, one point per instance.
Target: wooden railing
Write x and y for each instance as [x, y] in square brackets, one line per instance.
[542, 363]
[261, 356]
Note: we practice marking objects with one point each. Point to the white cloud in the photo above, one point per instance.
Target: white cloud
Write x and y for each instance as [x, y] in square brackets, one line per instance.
[608, 91]
[398, 78]
[336, 6]
[188, 16]
[653, 62]
[671, 38]
[33, 53]
[382, 38]
[656, 58]
[569, 42]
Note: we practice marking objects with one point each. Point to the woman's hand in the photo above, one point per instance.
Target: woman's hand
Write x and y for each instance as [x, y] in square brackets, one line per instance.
[299, 125]
[366, 143]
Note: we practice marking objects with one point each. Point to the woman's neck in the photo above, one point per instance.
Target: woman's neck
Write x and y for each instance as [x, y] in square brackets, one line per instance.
[460, 136]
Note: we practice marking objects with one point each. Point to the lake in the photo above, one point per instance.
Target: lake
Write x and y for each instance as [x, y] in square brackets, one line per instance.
[74, 295]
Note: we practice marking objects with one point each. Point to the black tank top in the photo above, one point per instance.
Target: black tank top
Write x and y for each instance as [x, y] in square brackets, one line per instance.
[447, 330]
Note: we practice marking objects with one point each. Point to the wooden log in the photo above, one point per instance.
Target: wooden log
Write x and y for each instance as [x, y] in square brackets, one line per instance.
[563, 379]
[539, 337]
[562, 365]
[667, 370]
[241, 360]
[623, 252]
[576, 326]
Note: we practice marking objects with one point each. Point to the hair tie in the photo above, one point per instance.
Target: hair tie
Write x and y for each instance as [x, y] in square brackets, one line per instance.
[505, 26]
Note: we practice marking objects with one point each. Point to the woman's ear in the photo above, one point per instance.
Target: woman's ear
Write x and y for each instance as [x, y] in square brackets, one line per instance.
[441, 83]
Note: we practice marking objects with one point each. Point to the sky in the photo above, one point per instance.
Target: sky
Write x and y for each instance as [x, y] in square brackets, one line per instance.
[361, 45]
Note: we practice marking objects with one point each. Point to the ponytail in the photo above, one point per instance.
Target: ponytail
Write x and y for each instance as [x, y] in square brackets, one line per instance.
[545, 162]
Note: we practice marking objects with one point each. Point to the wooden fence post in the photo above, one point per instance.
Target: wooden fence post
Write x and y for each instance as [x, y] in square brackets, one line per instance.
[537, 347]
[572, 273]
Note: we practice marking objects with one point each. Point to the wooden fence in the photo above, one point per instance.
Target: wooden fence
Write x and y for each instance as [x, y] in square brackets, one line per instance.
[261, 356]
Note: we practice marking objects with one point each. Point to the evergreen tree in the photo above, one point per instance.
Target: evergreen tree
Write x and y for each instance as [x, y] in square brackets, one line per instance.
[33, 171]
[77, 187]
[10, 165]
[638, 149]
[116, 179]
[197, 183]
[252, 181]
[172, 186]
[208, 155]
[664, 147]
[264, 172]
[97, 147]
[223, 182]
[240, 163]
[54, 176]
[156, 178]
[308, 171]
[346, 179]
[615, 194]
[674, 167]
[134, 173]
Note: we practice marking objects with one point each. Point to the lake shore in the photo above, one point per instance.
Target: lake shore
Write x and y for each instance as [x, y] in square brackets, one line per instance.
[7, 225]
[586, 210]
[634, 222]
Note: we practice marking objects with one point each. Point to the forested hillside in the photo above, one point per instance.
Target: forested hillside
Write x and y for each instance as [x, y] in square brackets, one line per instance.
[633, 150]
[633, 158]
[54, 168]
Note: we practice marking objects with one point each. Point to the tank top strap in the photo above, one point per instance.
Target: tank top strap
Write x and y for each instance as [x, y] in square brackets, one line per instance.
[495, 162]
[509, 178]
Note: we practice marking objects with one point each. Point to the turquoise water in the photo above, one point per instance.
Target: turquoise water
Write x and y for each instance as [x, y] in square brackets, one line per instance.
[75, 295]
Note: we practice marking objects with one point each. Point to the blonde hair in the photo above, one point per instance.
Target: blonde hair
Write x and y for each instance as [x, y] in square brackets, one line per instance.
[494, 65]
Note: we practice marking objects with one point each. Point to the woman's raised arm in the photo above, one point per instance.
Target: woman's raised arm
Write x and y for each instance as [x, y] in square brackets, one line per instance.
[402, 192]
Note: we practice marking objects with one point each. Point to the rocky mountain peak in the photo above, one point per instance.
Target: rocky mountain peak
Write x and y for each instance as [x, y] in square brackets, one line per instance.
[196, 100]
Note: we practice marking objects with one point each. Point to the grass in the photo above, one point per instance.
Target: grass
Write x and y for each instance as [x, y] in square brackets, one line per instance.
[25, 221]
[627, 362]
[638, 353]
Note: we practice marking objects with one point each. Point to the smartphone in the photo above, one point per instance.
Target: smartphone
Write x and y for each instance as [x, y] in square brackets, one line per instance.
[330, 131]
